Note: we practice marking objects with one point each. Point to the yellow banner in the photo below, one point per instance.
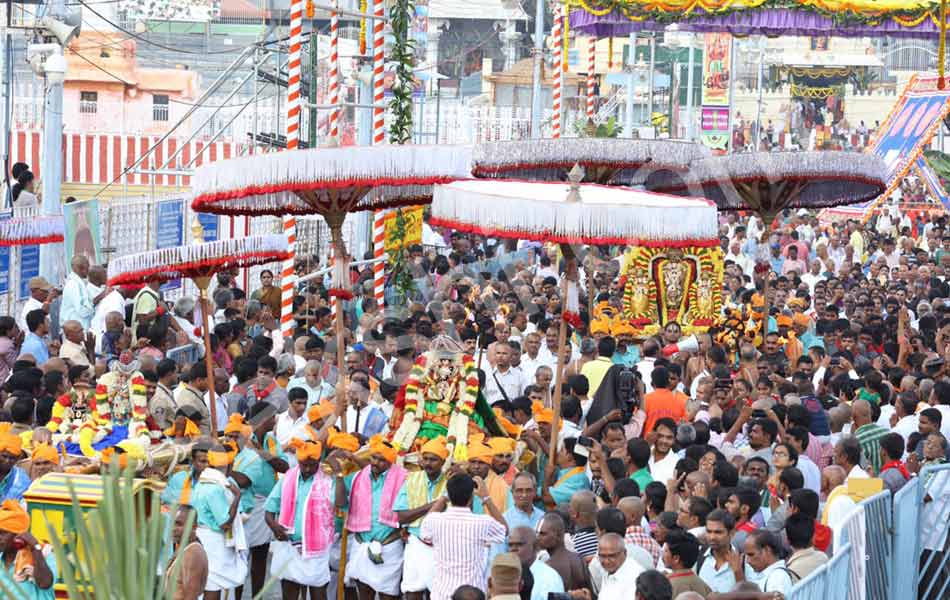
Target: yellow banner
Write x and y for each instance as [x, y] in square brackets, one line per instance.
[412, 228]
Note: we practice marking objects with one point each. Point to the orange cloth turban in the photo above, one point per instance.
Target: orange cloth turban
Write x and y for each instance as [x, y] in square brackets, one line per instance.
[343, 441]
[377, 445]
[501, 445]
[320, 411]
[509, 427]
[110, 455]
[217, 458]
[10, 443]
[235, 424]
[307, 449]
[44, 452]
[13, 518]
[783, 321]
[191, 430]
[480, 452]
[799, 302]
[541, 414]
[801, 320]
[436, 446]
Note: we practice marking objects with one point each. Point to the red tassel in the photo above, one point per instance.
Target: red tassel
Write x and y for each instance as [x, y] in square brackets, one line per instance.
[340, 293]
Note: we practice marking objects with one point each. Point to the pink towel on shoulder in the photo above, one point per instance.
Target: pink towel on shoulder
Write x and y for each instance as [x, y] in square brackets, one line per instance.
[360, 518]
[317, 532]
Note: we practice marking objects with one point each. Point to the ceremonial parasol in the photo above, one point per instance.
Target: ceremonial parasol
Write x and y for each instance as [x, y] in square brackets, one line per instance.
[604, 160]
[572, 213]
[199, 262]
[29, 231]
[767, 183]
[330, 182]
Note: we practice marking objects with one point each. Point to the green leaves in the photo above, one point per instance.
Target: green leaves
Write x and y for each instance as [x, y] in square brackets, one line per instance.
[403, 54]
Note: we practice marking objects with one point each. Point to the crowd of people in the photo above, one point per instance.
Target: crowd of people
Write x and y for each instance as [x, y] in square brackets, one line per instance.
[724, 472]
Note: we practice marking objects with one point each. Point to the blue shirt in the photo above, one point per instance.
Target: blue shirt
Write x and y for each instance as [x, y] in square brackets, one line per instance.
[546, 580]
[262, 475]
[14, 485]
[514, 517]
[176, 483]
[27, 590]
[272, 504]
[314, 395]
[720, 580]
[378, 531]
[211, 505]
[35, 346]
[629, 358]
[562, 492]
[402, 500]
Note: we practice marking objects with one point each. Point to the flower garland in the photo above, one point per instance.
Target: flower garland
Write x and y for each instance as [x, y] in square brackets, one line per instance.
[852, 12]
[403, 54]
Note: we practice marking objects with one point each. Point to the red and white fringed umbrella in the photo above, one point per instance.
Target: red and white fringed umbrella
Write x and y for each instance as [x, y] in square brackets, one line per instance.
[573, 213]
[330, 182]
[604, 160]
[198, 262]
[31, 231]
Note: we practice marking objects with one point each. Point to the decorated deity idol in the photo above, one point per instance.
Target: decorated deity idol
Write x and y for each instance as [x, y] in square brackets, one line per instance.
[70, 412]
[441, 398]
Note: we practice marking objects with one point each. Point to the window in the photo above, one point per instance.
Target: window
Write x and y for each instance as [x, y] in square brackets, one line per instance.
[88, 102]
[159, 107]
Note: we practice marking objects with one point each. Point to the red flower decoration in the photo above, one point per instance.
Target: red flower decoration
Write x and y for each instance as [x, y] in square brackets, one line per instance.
[197, 331]
[340, 293]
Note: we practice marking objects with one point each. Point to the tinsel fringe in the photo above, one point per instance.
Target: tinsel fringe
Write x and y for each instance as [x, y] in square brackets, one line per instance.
[337, 177]
[31, 231]
[196, 260]
[605, 215]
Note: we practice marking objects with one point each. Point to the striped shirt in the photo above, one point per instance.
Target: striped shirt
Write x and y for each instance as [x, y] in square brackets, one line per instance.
[585, 543]
[460, 543]
[869, 437]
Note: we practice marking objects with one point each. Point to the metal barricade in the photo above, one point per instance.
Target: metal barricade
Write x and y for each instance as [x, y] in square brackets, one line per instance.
[184, 355]
[828, 581]
[878, 527]
[906, 535]
[933, 502]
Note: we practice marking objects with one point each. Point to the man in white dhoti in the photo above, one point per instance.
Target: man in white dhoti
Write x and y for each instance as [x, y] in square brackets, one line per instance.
[300, 512]
[420, 491]
[219, 527]
[375, 548]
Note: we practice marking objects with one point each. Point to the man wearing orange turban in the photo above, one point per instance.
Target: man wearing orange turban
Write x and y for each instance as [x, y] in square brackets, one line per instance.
[375, 555]
[419, 492]
[480, 456]
[44, 460]
[300, 513]
[503, 458]
[13, 480]
[219, 526]
[24, 565]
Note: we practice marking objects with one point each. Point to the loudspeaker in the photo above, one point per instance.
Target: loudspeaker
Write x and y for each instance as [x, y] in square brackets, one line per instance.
[62, 31]
[686, 344]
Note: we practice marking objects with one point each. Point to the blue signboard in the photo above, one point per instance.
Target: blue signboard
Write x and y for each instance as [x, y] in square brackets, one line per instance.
[170, 230]
[209, 223]
[29, 268]
[4, 269]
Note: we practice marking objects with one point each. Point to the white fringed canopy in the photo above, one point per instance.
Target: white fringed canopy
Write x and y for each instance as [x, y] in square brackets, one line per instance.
[768, 182]
[196, 260]
[31, 231]
[603, 215]
[327, 180]
[605, 160]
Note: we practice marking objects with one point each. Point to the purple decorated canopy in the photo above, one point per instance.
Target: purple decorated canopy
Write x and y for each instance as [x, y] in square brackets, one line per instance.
[768, 21]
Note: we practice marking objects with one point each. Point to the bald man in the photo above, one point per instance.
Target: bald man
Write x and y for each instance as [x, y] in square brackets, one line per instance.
[633, 510]
[76, 346]
[583, 510]
[831, 477]
[77, 303]
[569, 565]
[868, 433]
[524, 542]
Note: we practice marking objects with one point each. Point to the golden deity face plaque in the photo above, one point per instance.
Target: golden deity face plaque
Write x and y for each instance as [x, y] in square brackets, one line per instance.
[672, 284]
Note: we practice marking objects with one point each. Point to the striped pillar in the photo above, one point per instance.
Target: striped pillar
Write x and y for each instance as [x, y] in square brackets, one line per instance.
[334, 75]
[379, 116]
[591, 54]
[379, 137]
[557, 44]
[379, 250]
[288, 276]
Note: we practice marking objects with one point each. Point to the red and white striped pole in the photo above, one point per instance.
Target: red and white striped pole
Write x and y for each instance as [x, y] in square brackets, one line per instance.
[379, 116]
[591, 64]
[334, 75]
[379, 137]
[557, 33]
[288, 275]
